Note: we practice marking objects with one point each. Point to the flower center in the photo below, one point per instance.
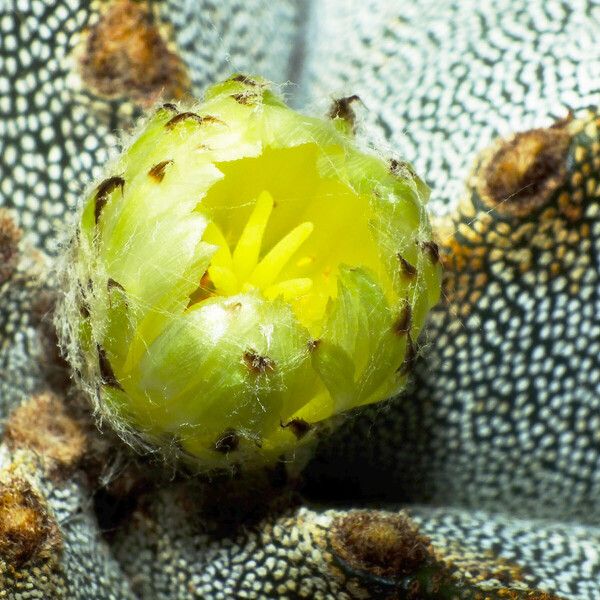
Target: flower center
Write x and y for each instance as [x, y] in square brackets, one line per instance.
[243, 269]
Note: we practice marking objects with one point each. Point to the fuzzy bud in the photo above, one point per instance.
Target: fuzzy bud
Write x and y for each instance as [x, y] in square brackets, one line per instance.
[242, 275]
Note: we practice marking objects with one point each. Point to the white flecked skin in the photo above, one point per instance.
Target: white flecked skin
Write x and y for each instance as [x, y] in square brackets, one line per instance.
[438, 84]
[84, 565]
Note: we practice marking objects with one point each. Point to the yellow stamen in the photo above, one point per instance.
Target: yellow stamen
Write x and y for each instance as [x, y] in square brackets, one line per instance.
[270, 266]
[240, 271]
[222, 257]
[245, 255]
[289, 289]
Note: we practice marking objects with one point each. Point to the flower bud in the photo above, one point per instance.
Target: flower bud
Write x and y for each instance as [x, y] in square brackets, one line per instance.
[242, 275]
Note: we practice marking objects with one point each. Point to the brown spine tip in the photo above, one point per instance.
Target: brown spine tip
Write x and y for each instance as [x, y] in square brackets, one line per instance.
[111, 284]
[157, 172]
[432, 250]
[106, 370]
[299, 427]
[406, 268]
[227, 442]
[244, 98]
[409, 358]
[241, 78]
[169, 106]
[258, 364]
[403, 323]
[185, 116]
[103, 192]
[313, 345]
[342, 109]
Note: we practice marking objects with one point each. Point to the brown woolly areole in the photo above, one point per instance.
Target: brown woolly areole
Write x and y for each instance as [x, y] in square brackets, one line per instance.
[27, 531]
[42, 424]
[10, 235]
[380, 544]
[126, 55]
[518, 175]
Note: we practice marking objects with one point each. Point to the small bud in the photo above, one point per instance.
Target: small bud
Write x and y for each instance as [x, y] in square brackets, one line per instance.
[247, 274]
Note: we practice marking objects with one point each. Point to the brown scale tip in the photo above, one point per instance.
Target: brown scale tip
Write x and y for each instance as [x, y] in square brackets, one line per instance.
[258, 364]
[227, 442]
[244, 98]
[518, 175]
[380, 544]
[404, 321]
[313, 345]
[112, 284]
[103, 191]
[106, 370]
[400, 167]
[406, 268]
[124, 55]
[432, 250]
[43, 425]
[187, 116]
[299, 427]
[27, 531]
[84, 308]
[342, 109]
[10, 235]
[409, 358]
[241, 78]
[157, 172]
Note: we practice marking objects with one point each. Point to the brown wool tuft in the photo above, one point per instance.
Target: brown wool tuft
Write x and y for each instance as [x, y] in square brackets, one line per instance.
[381, 544]
[10, 235]
[521, 173]
[43, 425]
[28, 533]
[125, 55]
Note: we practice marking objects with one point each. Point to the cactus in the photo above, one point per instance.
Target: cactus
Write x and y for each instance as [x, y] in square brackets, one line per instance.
[439, 81]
